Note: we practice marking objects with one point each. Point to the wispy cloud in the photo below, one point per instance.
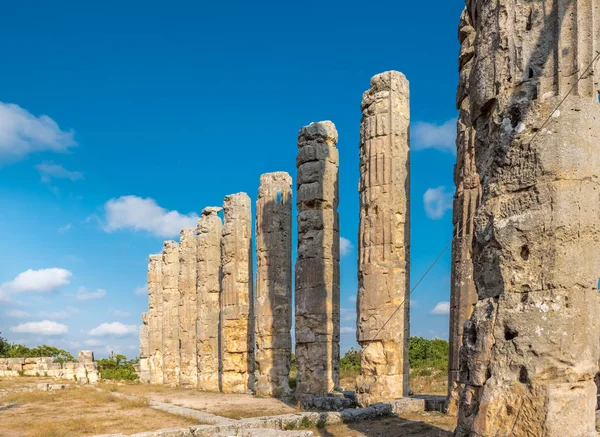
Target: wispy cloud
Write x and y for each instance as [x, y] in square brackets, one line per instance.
[45, 327]
[114, 329]
[345, 246]
[437, 201]
[433, 136]
[50, 170]
[144, 214]
[17, 314]
[347, 330]
[121, 314]
[85, 294]
[142, 290]
[441, 309]
[64, 228]
[38, 281]
[22, 133]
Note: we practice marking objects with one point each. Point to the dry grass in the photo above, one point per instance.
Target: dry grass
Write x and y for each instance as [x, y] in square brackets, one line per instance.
[80, 411]
[429, 381]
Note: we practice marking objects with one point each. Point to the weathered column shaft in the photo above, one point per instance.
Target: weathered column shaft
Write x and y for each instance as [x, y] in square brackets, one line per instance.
[144, 350]
[155, 317]
[463, 294]
[531, 349]
[170, 325]
[273, 284]
[384, 240]
[188, 309]
[237, 306]
[208, 256]
[317, 266]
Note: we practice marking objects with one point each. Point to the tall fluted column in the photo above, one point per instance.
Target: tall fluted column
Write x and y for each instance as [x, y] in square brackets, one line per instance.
[463, 294]
[208, 256]
[237, 306]
[530, 350]
[170, 325]
[188, 309]
[144, 350]
[317, 265]
[155, 317]
[384, 240]
[273, 284]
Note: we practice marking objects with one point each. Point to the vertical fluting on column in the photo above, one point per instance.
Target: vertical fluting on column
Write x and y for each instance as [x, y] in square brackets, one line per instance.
[155, 318]
[530, 350]
[144, 350]
[317, 296]
[170, 325]
[384, 239]
[273, 303]
[208, 256]
[463, 294]
[188, 309]
[237, 305]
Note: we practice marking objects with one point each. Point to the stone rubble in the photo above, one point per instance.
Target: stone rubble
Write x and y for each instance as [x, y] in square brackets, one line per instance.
[84, 371]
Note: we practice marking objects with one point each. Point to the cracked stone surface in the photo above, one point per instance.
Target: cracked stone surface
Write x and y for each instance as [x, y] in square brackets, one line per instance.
[317, 296]
[155, 316]
[208, 256]
[273, 284]
[144, 350]
[170, 325]
[188, 309]
[237, 297]
[384, 240]
[530, 350]
[463, 294]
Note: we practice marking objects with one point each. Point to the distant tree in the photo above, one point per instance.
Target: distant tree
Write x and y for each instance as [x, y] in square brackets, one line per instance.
[423, 353]
[117, 367]
[4, 347]
[350, 361]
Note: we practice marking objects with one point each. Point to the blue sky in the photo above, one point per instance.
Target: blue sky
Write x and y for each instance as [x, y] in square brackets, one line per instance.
[120, 121]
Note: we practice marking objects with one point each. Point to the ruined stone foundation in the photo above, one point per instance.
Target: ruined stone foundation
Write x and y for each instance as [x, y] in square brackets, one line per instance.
[317, 265]
[530, 350]
[384, 238]
[274, 284]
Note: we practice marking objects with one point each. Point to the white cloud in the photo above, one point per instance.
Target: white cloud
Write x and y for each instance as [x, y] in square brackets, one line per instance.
[64, 228]
[352, 299]
[22, 133]
[45, 327]
[142, 290]
[84, 294]
[118, 313]
[17, 314]
[50, 170]
[93, 342]
[433, 136]
[345, 246]
[114, 329]
[348, 314]
[437, 201]
[39, 281]
[441, 309]
[347, 330]
[132, 212]
[55, 315]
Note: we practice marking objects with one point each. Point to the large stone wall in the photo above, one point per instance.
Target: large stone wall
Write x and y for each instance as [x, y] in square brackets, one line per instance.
[208, 256]
[384, 240]
[273, 284]
[530, 350]
[170, 321]
[84, 371]
[463, 294]
[188, 309]
[317, 281]
[237, 297]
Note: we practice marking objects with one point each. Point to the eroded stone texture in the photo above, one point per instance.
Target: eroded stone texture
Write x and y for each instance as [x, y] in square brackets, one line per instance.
[170, 321]
[188, 309]
[530, 349]
[463, 294]
[317, 296]
[155, 316]
[144, 350]
[384, 239]
[273, 284]
[208, 256]
[237, 306]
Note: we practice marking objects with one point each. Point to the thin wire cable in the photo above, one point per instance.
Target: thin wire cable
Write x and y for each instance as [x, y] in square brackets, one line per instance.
[459, 232]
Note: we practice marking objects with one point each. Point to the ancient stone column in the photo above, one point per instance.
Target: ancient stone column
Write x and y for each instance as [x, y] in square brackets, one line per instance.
[273, 284]
[384, 240]
[188, 309]
[170, 325]
[237, 306]
[155, 317]
[317, 265]
[463, 294]
[208, 256]
[144, 350]
[530, 350]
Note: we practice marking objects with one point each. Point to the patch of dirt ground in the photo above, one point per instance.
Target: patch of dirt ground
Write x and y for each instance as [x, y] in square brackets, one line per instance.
[78, 411]
[422, 425]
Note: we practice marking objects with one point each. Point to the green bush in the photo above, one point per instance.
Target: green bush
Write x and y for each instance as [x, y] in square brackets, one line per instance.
[350, 361]
[14, 350]
[423, 353]
[4, 347]
[117, 367]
